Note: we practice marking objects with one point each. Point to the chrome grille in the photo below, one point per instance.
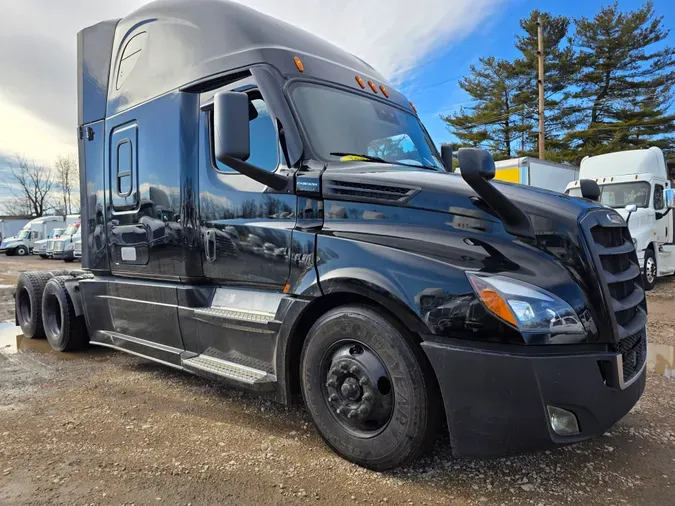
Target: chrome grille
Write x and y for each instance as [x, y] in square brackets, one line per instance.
[50, 245]
[621, 285]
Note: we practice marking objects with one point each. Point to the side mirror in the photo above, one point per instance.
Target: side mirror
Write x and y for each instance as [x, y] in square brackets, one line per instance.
[477, 168]
[232, 139]
[446, 156]
[589, 189]
[476, 162]
[630, 209]
[669, 198]
[231, 136]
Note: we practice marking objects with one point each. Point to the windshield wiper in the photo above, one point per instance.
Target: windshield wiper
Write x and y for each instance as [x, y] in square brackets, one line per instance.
[377, 159]
[367, 158]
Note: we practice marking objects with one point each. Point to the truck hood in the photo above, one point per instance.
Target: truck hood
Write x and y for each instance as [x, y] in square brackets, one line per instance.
[441, 192]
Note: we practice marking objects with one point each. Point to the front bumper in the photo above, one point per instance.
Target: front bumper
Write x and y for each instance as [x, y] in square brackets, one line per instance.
[63, 255]
[496, 401]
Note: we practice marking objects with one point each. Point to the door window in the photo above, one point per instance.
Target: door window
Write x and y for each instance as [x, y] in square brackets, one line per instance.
[263, 135]
[659, 203]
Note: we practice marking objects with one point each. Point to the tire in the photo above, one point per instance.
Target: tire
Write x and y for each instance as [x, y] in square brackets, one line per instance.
[360, 411]
[65, 330]
[9, 253]
[21, 251]
[28, 302]
[649, 270]
[43, 256]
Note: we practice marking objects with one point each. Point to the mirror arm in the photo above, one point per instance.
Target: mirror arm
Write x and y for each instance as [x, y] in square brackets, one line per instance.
[274, 181]
[515, 221]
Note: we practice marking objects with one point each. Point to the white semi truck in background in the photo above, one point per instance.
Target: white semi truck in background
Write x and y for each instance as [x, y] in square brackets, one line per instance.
[634, 183]
[538, 173]
[35, 230]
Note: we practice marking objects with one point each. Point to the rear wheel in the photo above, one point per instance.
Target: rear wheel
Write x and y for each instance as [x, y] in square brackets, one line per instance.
[65, 330]
[650, 269]
[28, 302]
[368, 388]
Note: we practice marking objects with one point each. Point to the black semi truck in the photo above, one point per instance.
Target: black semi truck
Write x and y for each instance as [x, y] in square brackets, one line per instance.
[263, 208]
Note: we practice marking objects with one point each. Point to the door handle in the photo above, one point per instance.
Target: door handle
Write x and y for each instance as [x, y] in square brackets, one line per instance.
[210, 245]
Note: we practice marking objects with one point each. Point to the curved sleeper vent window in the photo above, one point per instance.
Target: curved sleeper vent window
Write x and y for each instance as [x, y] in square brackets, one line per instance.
[369, 192]
[132, 51]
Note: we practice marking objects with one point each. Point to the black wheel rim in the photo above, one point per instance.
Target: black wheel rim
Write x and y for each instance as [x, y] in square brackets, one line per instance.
[52, 319]
[24, 306]
[357, 388]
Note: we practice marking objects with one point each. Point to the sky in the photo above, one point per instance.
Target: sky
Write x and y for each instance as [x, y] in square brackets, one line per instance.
[422, 46]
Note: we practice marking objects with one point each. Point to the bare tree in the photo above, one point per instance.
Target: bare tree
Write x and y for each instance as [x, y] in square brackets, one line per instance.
[67, 178]
[29, 185]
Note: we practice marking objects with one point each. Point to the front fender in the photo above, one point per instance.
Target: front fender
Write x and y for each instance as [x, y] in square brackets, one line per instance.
[407, 284]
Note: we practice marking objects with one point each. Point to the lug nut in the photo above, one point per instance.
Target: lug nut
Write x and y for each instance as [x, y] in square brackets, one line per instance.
[354, 369]
[344, 366]
[350, 414]
[364, 381]
[367, 396]
[333, 397]
[330, 383]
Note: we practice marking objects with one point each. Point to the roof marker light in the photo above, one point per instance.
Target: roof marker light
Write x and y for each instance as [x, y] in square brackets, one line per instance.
[384, 91]
[413, 107]
[360, 81]
[298, 63]
[372, 86]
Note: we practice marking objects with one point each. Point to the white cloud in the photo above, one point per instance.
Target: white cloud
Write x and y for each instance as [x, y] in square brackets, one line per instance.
[38, 51]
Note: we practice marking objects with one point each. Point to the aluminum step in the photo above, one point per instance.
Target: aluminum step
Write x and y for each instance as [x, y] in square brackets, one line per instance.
[236, 314]
[247, 376]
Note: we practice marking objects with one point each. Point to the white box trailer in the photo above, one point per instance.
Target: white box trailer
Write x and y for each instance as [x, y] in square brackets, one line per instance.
[11, 226]
[537, 173]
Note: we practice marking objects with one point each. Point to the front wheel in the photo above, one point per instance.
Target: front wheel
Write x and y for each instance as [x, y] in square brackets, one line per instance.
[650, 269]
[21, 251]
[368, 388]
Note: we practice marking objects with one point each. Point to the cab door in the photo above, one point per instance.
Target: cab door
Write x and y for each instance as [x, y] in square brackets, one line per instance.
[246, 225]
[662, 230]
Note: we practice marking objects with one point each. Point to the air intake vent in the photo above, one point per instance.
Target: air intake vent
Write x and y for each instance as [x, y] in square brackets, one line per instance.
[366, 192]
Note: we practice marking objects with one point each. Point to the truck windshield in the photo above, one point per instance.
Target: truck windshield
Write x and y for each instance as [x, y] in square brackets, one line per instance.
[343, 125]
[620, 195]
[72, 229]
[56, 232]
[24, 234]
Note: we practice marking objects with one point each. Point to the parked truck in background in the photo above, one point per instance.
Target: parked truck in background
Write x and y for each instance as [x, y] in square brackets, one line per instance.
[41, 247]
[539, 173]
[264, 209]
[10, 226]
[63, 245]
[35, 230]
[633, 183]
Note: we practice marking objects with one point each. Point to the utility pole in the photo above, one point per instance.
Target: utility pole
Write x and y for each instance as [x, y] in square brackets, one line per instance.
[540, 86]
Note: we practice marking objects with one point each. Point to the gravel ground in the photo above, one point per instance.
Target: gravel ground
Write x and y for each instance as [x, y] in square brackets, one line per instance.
[101, 427]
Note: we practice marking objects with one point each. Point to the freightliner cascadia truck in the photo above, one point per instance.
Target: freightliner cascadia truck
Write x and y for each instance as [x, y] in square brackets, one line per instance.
[265, 209]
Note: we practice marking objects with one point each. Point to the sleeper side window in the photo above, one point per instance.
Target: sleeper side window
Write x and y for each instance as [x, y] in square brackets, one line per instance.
[123, 167]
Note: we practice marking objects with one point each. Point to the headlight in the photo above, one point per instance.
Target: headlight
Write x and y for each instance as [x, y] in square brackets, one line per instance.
[524, 306]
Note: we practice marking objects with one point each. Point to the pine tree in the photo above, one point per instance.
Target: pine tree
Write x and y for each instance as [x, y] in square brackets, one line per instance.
[559, 62]
[496, 87]
[623, 88]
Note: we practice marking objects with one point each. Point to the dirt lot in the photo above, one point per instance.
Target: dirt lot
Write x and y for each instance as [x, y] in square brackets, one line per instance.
[106, 428]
